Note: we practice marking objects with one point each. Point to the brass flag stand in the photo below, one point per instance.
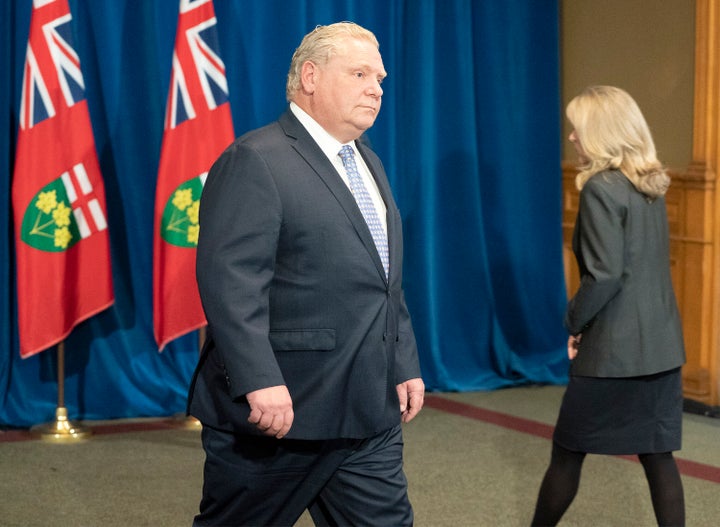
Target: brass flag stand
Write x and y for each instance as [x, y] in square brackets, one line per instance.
[61, 430]
[190, 421]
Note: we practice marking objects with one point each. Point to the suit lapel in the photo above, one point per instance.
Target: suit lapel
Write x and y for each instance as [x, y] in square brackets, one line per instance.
[308, 149]
[378, 174]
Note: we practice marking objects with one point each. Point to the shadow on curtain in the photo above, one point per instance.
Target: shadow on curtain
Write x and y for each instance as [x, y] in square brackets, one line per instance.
[469, 134]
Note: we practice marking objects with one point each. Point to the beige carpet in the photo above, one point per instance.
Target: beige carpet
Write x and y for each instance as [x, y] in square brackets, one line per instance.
[478, 469]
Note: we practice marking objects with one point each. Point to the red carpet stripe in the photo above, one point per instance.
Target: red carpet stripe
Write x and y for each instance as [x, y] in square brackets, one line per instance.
[511, 422]
[538, 429]
[481, 414]
[8, 436]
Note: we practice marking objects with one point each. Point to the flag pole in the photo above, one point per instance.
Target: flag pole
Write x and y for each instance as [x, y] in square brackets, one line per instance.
[61, 430]
[190, 421]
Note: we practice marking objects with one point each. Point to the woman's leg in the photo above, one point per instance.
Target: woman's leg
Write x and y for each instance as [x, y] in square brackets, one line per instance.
[559, 486]
[666, 489]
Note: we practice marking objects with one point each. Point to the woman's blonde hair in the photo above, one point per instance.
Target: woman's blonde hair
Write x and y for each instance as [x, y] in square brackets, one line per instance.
[319, 45]
[613, 134]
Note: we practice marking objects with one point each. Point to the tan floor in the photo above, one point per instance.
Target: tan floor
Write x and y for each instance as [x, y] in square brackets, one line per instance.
[461, 472]
[503, 469]
[464, 472]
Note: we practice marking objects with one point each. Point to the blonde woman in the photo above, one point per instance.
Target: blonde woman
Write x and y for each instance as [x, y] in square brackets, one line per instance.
[626, 348]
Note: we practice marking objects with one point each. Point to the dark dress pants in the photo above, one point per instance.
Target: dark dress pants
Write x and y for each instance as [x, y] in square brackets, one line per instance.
[263, 481]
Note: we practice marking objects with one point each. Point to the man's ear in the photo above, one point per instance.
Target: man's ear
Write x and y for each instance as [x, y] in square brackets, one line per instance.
[308, 76]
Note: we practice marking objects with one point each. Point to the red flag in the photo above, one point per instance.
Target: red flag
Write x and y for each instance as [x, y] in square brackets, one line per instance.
[63, 250]
[198, 127]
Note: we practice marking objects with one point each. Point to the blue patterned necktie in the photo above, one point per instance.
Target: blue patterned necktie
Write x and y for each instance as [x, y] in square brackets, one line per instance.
[364, 201]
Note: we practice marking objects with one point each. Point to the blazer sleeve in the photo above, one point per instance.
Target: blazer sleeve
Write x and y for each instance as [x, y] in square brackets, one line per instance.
[240, 218]
[407, 363]
[599, 251]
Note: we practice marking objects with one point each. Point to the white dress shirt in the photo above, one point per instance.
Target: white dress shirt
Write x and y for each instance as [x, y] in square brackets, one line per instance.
[331, 148]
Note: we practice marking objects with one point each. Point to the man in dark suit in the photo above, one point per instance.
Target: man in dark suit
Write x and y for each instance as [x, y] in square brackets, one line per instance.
[310, 364]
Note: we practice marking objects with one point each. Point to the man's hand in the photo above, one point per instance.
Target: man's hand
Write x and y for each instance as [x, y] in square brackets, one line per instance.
[271, 410]
[412, 395]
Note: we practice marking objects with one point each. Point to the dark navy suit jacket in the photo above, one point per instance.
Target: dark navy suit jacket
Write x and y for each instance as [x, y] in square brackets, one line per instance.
[295, 293]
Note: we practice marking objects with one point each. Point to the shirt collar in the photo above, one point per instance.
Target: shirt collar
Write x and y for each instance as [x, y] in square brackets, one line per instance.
[327, 143]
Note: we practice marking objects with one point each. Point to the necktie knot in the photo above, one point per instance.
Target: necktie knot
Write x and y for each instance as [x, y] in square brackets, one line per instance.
[347, 154]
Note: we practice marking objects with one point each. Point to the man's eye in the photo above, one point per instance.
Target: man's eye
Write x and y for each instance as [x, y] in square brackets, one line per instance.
[359, 74]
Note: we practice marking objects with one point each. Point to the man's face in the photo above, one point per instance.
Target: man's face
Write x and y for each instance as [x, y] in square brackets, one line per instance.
[347, 93]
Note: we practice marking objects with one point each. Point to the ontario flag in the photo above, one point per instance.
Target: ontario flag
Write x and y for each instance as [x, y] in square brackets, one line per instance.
[198, 127]
[62, 242]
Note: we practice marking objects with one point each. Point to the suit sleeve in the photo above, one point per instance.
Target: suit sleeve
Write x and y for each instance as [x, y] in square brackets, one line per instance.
[600, 255]
[240, 217]
[407, 364]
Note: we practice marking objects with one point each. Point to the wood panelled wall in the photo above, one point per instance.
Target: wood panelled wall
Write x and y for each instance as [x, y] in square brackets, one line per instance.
[693, 204]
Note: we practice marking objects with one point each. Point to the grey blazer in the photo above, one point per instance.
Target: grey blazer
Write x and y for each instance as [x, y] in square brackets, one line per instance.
[625, 306]
[295, 293]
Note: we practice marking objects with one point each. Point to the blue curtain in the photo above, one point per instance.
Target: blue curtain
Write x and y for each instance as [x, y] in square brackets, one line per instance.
[469, 133]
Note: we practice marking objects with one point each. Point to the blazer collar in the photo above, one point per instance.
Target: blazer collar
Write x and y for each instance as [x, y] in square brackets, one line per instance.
[308, 149]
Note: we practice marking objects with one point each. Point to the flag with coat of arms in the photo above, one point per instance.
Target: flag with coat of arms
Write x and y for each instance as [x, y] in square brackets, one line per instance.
[198, 127]
[62, 242]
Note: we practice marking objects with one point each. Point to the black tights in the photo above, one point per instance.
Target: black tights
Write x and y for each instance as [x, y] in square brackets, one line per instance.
[562, 479]
[666, 489]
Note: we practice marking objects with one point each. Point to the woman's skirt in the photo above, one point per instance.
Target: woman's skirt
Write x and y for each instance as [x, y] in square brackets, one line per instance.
[631, 415]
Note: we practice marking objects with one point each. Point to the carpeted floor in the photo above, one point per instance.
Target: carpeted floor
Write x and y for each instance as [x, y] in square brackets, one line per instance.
[472, 459]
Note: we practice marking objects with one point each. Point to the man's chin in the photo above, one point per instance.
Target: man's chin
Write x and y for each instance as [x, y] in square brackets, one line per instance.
[364, 124]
